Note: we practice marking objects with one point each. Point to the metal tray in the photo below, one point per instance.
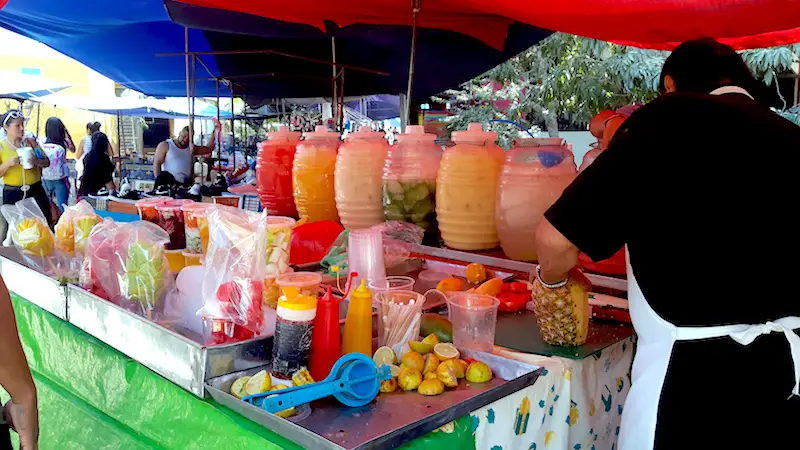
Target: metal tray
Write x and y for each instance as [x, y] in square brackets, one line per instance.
[35, 287]
[172, 355]
[390, 420]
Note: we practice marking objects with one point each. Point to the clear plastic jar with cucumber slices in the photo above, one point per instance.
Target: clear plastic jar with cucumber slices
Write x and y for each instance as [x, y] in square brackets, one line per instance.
[409, 178]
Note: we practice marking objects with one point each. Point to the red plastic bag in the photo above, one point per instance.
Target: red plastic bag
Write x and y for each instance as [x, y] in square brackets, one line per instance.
[235, 266]
[311, 241]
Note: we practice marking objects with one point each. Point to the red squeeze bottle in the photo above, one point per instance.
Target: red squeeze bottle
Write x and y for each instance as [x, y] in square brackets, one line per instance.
[326, 343]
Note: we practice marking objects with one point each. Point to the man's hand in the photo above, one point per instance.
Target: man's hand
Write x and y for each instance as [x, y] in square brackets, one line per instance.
[24, 419]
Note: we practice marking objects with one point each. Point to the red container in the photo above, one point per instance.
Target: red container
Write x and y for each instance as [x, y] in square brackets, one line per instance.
[274, 172]
[241, 305]
[326, 341]
[311, 241]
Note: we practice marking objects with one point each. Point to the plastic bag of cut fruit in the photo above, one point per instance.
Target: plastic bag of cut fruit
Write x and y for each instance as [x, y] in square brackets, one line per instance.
[395, 235]
[235, 265]
[126, 263]
[74, 226]
[31, 235]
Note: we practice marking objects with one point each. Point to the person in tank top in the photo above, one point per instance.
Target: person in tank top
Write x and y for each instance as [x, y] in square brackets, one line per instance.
[175, 157]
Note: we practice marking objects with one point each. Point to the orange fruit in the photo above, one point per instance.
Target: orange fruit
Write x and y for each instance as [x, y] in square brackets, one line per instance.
[491, 287]
[450, 284]
[476, 273]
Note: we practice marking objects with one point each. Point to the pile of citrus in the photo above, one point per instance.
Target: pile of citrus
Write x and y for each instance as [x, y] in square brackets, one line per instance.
[429, 367]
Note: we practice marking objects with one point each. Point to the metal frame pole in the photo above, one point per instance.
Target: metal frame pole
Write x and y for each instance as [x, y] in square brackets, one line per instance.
[415, 7]
[233, 124]
[218, 143]
[335, 96]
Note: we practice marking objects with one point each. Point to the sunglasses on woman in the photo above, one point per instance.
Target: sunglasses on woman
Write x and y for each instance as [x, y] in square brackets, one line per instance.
[12, 115]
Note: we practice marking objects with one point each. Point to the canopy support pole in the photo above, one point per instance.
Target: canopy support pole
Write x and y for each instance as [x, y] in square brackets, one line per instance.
[188, 85]
[219, 144]
[335, 96]
[233, 124]
[119, 137]
[415, 7]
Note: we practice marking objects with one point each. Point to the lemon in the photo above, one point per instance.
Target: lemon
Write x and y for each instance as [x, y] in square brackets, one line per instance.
[237, 388]
[395, 369]
[447, 375]
[258, 383]
[286, 413]
[384, 355]
[446, 351]
[431, 387]
[479, 372]
[413, 360]
[458, 369]
[409, 379]
[420, 347]
[431, 363]
[388, 386]
[431, 339]
[431, 376]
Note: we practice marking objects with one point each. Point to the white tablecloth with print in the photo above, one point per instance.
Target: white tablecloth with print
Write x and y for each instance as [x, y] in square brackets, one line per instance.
[574, 405]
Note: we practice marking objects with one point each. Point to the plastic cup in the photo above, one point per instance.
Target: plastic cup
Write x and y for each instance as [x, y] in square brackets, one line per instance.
[170, 219]
[365, 255]
[25, 157]
[279, 243]
[429, 279]
[399, 318]
[176, 260]
[307, 283]
[192, 259]
[147, 208]
[474, 318]
[272, 292]
[192, 214]
[392, 283]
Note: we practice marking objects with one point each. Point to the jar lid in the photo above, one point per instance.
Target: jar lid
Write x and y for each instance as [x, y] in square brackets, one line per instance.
[284, 132]
[292, 299]
[172, 205]
[151, 201]
[298, 279]
[415, 133]
[474, 133]
[366, 132]
[321, 132]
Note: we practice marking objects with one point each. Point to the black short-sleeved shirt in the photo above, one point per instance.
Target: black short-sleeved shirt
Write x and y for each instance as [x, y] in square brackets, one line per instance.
[704, 191]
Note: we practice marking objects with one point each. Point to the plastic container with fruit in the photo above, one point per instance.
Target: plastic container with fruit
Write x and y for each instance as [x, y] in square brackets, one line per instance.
[170, 218]
[313, 175]
[466, 190]
[409, 178]
[359, 172]
[279, 240]
[274, 171]
[147, 208]
[534, 175]
[193, 213]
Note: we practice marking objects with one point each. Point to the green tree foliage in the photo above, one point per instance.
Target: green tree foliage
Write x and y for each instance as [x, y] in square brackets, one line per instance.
[567, 78]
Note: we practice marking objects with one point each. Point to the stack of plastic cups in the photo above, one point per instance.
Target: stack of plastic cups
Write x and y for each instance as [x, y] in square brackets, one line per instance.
[391, 283]
[365, 255]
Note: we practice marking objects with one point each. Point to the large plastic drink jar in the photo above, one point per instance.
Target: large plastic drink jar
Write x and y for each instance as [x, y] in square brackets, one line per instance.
[274, 171]
[534, 175]
[358, 179]
[409, 178]
[466, 190]
[312, 175]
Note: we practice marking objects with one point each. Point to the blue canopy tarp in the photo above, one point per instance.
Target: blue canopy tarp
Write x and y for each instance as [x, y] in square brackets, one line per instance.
[171, 108]
[121, 39]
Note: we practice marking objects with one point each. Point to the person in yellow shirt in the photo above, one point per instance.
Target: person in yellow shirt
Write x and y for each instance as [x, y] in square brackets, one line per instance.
[22, 183]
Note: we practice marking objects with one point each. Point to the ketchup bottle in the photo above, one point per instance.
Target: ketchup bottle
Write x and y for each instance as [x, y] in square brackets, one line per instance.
[326, 346]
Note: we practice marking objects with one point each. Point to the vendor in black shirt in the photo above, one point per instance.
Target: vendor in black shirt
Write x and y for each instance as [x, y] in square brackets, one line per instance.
[701, 186]
[98, 173]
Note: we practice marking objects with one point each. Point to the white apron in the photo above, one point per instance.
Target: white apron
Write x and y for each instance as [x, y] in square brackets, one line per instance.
[656, 337]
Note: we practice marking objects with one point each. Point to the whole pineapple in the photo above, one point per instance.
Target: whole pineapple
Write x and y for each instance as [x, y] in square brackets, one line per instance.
[563, 313]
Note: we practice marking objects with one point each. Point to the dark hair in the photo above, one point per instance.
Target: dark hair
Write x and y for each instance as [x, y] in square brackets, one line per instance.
[56, 132]
[702, 65]
[99, 142]
[93, 127]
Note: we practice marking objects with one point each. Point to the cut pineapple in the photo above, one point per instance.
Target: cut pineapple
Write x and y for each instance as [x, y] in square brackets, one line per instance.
[562, 313]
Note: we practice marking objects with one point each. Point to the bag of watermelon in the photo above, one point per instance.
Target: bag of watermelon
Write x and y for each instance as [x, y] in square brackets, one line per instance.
[235, 265]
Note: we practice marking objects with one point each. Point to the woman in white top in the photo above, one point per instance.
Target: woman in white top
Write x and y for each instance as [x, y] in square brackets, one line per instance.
[84, 147]
[56, 176]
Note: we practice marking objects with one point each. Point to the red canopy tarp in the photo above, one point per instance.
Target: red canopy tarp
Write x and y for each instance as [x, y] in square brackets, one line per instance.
[659, 24]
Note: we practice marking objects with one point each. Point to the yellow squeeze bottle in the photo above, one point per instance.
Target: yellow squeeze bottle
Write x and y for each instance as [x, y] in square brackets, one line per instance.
[358, 324]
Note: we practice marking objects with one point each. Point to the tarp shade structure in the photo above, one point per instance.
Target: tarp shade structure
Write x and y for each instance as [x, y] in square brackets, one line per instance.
[20, 86]
[645, 23]
[444, 58]
[121, 39]
[378, 107]
[118, 39]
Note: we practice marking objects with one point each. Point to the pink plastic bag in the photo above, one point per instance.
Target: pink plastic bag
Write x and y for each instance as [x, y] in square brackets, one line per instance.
[36, 242]
[126, 262]
[235, 266]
